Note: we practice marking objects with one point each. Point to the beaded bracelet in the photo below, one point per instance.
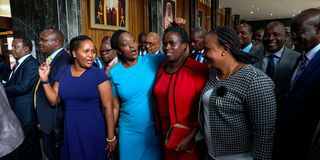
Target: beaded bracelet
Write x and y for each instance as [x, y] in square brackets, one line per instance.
[45, 82]
[111, 140]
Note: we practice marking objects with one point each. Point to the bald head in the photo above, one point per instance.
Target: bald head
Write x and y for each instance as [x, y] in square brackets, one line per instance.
[305, 29]
[153, 42]
[51, 40]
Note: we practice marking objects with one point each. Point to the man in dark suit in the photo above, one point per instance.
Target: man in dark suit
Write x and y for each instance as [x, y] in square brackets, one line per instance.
[19, 89]
[245, 33]
[276, 59]
[51, 43]
[197, 44]
[301, 114]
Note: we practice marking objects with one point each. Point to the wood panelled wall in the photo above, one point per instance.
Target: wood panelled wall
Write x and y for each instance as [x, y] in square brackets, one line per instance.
[138, 20]
[206, 14]
[182, 11]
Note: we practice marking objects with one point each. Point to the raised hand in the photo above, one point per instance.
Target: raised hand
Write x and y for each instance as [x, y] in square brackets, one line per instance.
[44, 70]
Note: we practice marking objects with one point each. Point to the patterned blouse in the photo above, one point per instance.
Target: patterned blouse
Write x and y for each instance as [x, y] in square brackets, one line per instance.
[242, 113]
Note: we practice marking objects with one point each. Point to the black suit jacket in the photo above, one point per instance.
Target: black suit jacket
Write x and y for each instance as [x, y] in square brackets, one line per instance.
[47, 113]
[20, 89]
[301, 113]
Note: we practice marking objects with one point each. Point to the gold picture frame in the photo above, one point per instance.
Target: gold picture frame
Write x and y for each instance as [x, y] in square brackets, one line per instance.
[109, 14]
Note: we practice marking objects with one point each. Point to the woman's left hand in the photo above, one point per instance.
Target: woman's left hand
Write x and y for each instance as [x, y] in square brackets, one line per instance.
[183, 145]
[111, 145]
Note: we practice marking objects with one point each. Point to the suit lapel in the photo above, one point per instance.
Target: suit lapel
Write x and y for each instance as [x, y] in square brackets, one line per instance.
[284, 60]
[56, 58]
[312, 66]
[19, 68]
[260, 56]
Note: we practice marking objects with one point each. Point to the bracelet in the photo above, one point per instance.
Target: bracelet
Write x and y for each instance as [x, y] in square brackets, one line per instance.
[45, 82]
[111, 140]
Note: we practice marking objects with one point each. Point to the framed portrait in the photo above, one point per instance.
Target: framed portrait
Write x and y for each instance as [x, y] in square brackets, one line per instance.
[169, 12]
[109, 14]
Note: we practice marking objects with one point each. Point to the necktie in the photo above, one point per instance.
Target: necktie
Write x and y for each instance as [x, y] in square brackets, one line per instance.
[270, 66]
[48, 60]
[15, 67]
[199, 56]
[301, 68]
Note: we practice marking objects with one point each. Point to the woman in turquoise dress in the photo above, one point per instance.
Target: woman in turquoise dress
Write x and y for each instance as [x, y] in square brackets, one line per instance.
[85, 90]
[132, 83]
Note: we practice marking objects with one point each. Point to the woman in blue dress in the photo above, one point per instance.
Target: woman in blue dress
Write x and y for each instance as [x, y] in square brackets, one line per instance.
[132, 82]
[84, 90]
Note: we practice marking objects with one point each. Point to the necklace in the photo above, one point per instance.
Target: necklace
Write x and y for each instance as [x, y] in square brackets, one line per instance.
[234, 70]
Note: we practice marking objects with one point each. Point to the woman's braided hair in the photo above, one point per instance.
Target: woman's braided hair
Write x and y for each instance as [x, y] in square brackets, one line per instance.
[228, 37]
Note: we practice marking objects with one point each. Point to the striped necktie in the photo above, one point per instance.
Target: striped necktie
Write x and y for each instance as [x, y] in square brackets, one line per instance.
[14, 69]
[302, 66]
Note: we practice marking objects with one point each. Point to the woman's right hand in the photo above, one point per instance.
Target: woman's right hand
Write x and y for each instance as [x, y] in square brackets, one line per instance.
[44, 70]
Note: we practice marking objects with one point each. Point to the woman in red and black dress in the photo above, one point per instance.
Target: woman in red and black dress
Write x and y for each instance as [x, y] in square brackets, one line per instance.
[177, 90]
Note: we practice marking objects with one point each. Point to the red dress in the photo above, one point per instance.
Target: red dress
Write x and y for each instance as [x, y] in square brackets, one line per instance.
[176, 100]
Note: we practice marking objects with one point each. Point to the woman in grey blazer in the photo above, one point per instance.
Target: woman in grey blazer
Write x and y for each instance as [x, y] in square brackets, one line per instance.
[237, 106]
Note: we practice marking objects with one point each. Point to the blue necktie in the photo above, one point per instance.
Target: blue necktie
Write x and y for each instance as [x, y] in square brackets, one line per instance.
[199, 56]
[270, 66]
[301, 68]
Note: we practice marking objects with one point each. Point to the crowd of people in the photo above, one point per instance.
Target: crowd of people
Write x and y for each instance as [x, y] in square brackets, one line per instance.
[227, 94]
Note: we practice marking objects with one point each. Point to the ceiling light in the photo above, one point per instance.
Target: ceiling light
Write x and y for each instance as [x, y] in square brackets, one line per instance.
[271, 14]
[258, 9]
[251, 12]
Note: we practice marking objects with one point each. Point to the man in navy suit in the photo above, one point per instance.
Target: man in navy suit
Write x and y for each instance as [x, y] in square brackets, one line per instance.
[301, 113]
[51, 43]
[19, 89]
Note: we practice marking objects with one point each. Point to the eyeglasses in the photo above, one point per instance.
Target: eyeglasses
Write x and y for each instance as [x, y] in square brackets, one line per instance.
[106, 51]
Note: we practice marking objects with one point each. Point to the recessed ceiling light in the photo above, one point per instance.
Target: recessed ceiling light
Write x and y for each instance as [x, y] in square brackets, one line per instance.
[251, 12]
[271, 14]
[252, 6]
[258, 9]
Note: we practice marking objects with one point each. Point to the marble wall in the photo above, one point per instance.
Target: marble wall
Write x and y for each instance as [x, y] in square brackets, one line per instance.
[30, 17]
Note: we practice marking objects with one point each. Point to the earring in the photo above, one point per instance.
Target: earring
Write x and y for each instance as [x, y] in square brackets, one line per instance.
[223, 54]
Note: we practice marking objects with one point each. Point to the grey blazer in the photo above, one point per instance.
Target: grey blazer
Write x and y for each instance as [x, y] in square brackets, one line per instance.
[11, 134]
[283, 71]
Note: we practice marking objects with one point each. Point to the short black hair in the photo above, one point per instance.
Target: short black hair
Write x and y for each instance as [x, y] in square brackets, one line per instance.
[115, 37]
[179, 30]
[245, 25]
[25, 41]
[75, 42]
